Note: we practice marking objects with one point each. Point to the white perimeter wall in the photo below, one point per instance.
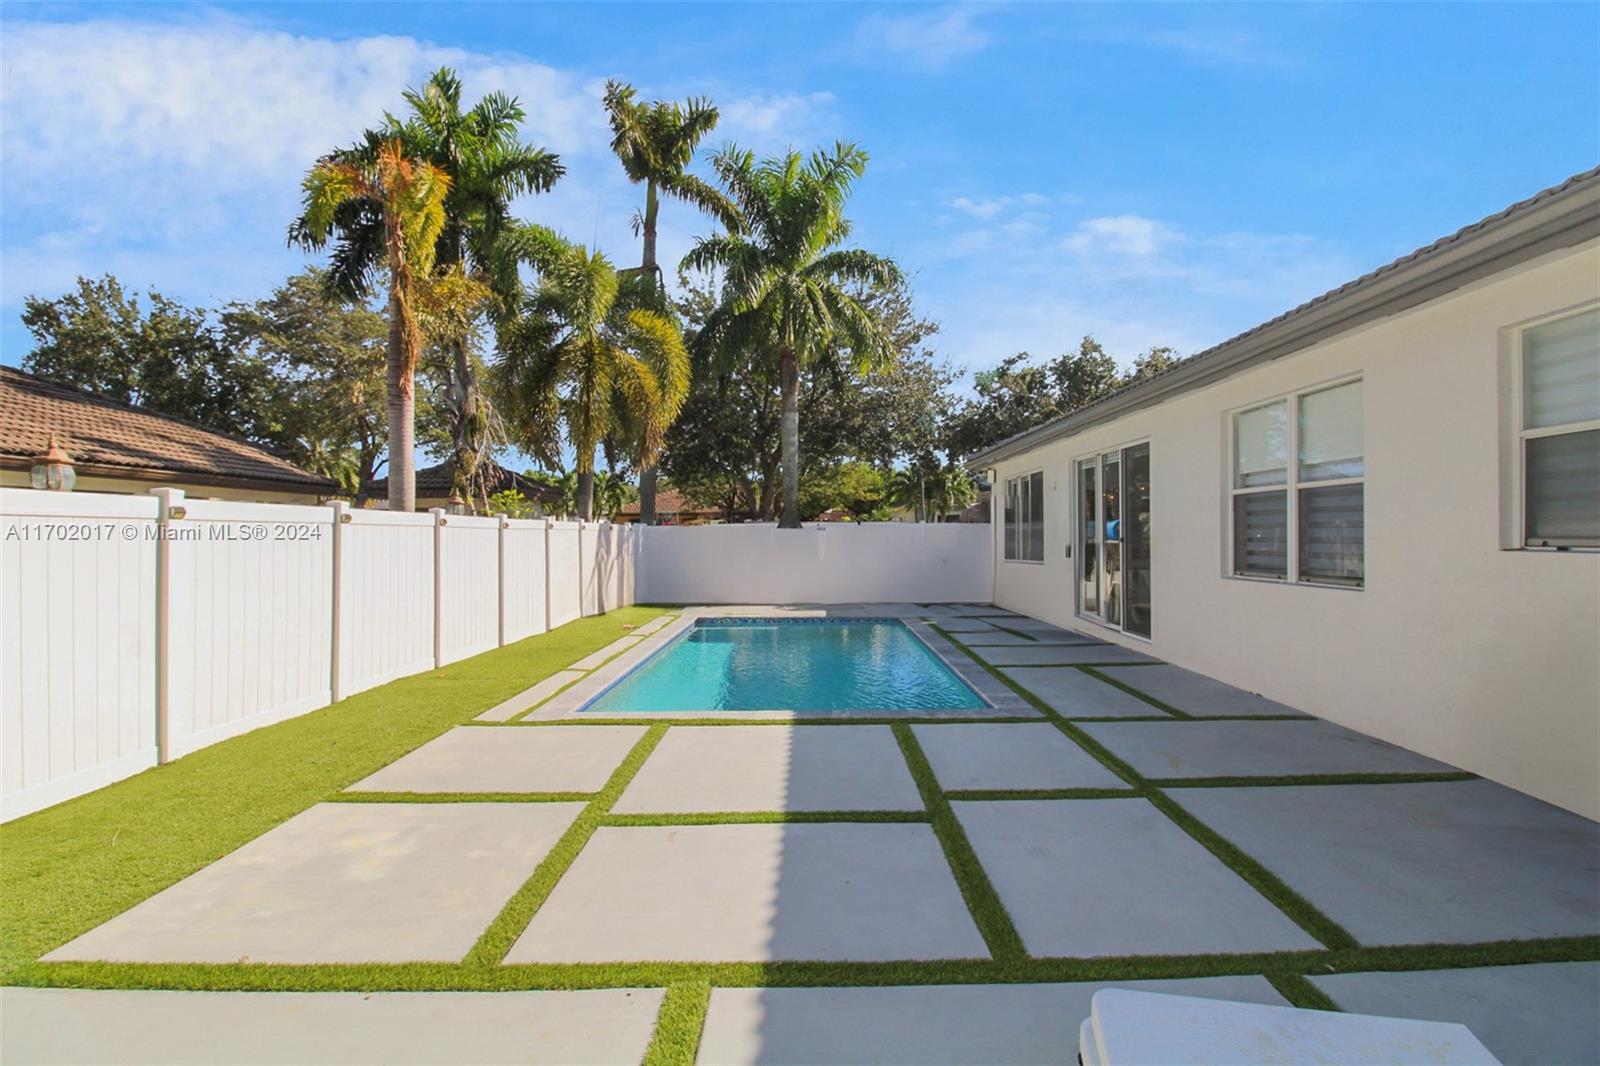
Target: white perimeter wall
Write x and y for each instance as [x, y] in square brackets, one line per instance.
[270, 611]
[1482, 657]
[873, 562]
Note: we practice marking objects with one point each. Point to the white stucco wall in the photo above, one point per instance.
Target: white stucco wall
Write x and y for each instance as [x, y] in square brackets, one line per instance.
[1482, 657]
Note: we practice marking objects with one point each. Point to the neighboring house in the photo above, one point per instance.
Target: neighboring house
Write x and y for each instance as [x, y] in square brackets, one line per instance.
[979, 511]
[1382, 507]
[435, 486]
[118, 447]
[673, 509]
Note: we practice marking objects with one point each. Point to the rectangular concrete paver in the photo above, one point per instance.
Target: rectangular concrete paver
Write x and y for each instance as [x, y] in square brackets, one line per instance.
[513, 759]
[1254, 749]
[51, 1025]
[996, 639]
[1020, 755]
[933, 1025]
[1535, 1015]
[772, 768]
[963, 625]
[654, 624]
[1432, 862]
[615, 648]
[842, 891]
[1075, 694]
[1117, 877]
[1196, 694]
[343, 882]
[1061, 655]
[530, 697]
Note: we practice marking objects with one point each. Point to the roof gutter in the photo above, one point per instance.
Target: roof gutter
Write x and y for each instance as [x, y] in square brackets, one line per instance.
[1564, 217]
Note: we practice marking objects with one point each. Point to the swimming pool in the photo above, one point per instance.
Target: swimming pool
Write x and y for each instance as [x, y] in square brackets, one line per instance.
[761, 664]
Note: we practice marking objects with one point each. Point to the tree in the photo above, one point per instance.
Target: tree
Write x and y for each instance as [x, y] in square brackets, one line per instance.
[326, 357]
[585, 349]
[1020, 394]
[407, 194]
[162, 356]
[1155, 361]
[859, 489]
[786, 301]
[656, 142]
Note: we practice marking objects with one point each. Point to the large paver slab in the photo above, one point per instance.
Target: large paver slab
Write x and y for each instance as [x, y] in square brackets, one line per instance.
[1535, 1014]
[343, 882]
[1075, 694]
[514, 759]
[958, 624]
[530, 697]
[51, 1025]
[1254, 749]
[924, 1026]
[1450, 862]
[772, 768]
[615, 648]
[1196, 694]
[654, 624]
[1117, 877]
[1009, 756]
[1036, 654]
[842, 891]
[996, 639]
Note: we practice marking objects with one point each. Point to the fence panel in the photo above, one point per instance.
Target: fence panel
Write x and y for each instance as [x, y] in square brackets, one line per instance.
[385, 598]
[524, 578]
[77, 644]
[470, 580]
[564, 581]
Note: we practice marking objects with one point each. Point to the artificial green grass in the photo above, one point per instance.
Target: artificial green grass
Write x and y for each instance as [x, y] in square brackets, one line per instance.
[66, 869]
[983, 902]
[679, 1024]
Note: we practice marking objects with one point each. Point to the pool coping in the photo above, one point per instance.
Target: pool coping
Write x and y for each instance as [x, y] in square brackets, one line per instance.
[1001, 701]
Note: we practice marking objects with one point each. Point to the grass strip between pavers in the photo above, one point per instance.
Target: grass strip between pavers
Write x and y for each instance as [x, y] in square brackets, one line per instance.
[1135, 693]
[441, 977]
[519, 910]
[988, 913]
[1299, 991]
[761, 817]
[67, 869]
[1299, 909]
[679, 1025]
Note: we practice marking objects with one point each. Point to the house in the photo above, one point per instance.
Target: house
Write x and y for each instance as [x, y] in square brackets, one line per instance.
[674, 509]
[119, 447]
[1382, 506]
[435, 486]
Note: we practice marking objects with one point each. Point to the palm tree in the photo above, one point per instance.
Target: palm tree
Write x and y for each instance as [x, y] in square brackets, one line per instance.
[785, 279]
[488, 166]
[403, 198]
[655, 142]
[586, 349]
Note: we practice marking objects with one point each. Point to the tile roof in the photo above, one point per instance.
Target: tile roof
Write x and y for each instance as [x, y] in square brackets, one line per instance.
[437, 480]
[670, 501]
[109, 437]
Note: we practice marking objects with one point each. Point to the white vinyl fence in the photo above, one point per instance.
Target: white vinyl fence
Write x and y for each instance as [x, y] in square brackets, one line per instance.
[873, 562]
[135, 629]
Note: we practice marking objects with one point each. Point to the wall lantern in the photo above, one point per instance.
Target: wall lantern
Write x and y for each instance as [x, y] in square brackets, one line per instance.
[457, 505]
[54, 470]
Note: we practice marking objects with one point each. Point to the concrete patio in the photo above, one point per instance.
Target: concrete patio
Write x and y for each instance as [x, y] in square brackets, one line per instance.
[1076, 820]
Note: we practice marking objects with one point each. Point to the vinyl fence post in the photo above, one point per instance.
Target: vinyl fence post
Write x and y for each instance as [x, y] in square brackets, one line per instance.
[581, 524]
[341, 517]
[502, 523]
[547, 603]
[439, 522]
[169, 509]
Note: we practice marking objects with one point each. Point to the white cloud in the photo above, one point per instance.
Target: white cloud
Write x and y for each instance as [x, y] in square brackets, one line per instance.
[1123, 235]
[772, 122]
[926, 39]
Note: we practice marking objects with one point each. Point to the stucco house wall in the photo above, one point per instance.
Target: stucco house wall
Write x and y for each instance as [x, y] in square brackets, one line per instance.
[1456, 647]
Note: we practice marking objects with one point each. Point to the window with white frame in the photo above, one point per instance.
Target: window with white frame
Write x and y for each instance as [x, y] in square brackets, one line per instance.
[1024, 533]
[1297, 509]
[1558, 437]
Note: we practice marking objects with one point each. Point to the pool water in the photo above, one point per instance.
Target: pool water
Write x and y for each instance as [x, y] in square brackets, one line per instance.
[810, 665]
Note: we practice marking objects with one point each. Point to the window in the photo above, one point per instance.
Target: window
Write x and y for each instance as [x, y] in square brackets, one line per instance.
[1298, 509]
[1113, 538]
[1559, 433]
[1025, 518]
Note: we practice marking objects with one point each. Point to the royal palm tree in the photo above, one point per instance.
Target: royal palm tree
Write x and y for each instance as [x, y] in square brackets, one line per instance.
[656, 142]
[787, 298]
[585, 348]
[402, 198]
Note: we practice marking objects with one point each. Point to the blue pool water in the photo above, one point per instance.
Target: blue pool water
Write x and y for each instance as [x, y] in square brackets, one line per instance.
[766, 665]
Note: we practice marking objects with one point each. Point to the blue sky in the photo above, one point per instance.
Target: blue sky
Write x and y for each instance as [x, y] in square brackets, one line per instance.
[1150, 174]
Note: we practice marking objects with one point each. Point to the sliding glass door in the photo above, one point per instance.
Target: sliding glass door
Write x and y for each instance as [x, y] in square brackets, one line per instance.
[1113, 538]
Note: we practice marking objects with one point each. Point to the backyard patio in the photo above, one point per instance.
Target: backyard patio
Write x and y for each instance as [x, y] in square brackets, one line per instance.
[845, 887]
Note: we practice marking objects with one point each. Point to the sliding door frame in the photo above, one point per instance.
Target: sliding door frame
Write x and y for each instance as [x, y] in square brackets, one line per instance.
[1082, 523]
